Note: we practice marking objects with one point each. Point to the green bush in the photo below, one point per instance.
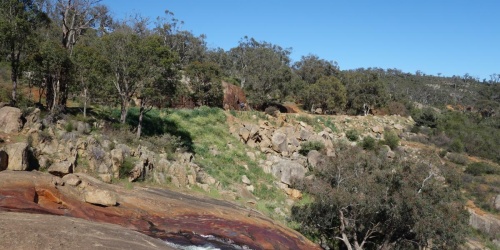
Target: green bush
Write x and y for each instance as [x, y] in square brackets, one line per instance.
[458, 158]
[69, 127]
[369, 143]
[310, 145]
[456, 146]
[127, 166]
[352, 135]
[427, 117]
[481, 168]
[391, 139]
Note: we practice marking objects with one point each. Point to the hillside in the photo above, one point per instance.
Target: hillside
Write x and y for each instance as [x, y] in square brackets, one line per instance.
[250, 158]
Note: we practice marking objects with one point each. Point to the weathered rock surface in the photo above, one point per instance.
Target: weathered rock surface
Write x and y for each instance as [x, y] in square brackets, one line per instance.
[10, 120]
[159, 213]
[38, 231]
[286, 171]
[100, 197]
[61, 168]
[486, 223]
[17, 156]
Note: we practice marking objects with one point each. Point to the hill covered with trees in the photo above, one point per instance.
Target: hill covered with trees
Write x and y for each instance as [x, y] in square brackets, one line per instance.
[60, 54]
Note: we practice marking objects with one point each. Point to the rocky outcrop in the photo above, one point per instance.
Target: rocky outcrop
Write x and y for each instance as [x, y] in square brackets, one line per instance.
[159, 213]
[17, 156]
[10, 120]
[487, 223]
[233, 96]
[24, 231]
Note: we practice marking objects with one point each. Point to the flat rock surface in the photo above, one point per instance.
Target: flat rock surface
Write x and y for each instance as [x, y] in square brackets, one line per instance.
[160, 213]
[38, 231]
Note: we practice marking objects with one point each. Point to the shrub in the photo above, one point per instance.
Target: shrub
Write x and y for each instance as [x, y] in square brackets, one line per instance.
[369, 143]
[427, 117]
[310, 145]
[481, 168]
[352, 135]
[456, 146]
[69, 127]
[127, 166]
[458, 158]
[391, 139]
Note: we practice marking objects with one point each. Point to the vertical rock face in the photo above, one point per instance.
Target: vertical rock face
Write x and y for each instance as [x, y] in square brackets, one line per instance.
[17, 156]
[10, 120]
[233, 95]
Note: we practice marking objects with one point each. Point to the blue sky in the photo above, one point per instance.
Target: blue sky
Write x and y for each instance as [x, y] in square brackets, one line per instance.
[452, 37]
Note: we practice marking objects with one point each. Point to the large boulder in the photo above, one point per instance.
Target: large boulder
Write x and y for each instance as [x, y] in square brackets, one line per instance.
[117, 161]
[314, 158]
[10, 120]
[61, 168]
[286, 171]
[101, 197]
[279, 142]
[17, 156]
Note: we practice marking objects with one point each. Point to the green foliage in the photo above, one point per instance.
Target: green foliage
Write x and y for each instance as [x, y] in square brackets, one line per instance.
[352, 135]
[127, 166]
[457, 158]
[311, 68]
[68, 127]
[456, 146]
[391, 139]
[205, 80]
[426, 117]
[481, 168]
[386, 198]
[369, 143]
[305, 147]
[327, 93]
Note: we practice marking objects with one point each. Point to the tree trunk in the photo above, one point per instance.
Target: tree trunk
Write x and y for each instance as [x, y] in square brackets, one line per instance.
[124, 110]
[85, 102]
[141, 114]
[13, 77]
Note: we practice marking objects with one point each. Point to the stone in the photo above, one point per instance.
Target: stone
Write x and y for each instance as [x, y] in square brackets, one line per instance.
[32, 119]
[10, 120]
[101, 197]
[279, 142]
[245, 180]
[250, 188]
[117, 161]
[72, 180]
[286, 171]
[318, 111]
[296, 194]
[244, 133]
[205, 187]
[17, 156]
[398, 126]
[61, 168]
[378, 129]
[304, 134]
[191, 179]
[4, 160]
[251, 155]
[106, 177]
[313, 158]
[137, 172]
[83, 127]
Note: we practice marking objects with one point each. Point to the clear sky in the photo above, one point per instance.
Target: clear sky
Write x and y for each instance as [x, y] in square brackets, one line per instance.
[452, 37]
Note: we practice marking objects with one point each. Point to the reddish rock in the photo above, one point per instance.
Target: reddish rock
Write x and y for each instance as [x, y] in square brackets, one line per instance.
[233, 96]
[159, 213]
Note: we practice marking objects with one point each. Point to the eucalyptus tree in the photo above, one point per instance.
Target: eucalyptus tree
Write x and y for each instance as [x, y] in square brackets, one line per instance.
[262, 68]
[158, 79]
[311, 68]
[18, 23]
